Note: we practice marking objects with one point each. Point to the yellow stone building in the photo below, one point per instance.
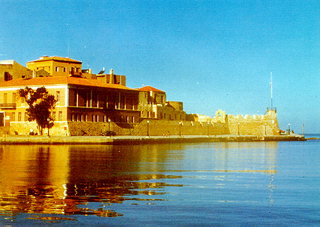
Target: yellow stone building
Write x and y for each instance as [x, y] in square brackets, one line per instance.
[153, 105]
[82, 97]
[56, 66]
[10, 69]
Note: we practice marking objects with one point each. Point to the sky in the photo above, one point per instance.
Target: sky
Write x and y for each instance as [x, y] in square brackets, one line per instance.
[211, 55]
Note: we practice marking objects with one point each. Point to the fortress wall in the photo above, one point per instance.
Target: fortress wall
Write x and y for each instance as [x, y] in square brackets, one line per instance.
[153, 128]
[260, 125]
[259, 128]
[163, 127]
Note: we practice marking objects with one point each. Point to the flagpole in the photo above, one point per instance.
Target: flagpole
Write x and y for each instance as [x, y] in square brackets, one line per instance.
[271, 92]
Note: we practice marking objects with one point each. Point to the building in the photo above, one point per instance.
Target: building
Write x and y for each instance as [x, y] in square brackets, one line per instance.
[81, 96]
[55, 66]
[153, 105]
[10, 69]
[58, 66]
[87, 103]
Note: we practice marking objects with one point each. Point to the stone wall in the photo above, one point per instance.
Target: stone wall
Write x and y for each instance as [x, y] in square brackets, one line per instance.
[148, 127]
[24, 128]
[260, 125]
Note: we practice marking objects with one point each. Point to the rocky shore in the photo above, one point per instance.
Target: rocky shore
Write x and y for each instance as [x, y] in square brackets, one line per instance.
[143, 139]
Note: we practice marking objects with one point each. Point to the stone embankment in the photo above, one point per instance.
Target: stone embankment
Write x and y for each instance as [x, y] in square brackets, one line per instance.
[143, 139]
[313, 138]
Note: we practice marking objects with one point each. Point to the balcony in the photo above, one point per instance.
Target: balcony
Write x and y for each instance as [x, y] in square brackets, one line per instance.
[8, 105]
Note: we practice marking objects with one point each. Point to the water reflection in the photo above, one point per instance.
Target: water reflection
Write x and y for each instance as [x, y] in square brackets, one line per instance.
[57, 179]
[33, 179]
[67, 180]
[246, 157]
[253, 158]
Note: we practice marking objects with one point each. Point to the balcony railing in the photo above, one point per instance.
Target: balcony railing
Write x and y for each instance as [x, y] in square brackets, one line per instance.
[8, 105]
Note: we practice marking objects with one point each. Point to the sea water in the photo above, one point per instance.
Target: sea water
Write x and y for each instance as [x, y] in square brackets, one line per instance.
[228, 183]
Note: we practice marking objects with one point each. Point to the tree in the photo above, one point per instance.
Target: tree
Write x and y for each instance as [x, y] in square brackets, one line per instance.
[40, 106]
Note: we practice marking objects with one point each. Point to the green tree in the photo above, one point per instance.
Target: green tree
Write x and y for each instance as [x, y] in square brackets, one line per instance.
[40, 106]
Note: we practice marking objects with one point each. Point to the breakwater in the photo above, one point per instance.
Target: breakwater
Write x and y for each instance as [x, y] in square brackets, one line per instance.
[143, 139]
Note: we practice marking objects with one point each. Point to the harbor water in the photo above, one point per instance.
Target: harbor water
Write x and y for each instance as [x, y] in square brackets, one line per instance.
[229, 183]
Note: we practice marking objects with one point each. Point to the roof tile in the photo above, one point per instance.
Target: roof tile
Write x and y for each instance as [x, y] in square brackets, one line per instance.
[55, 58]
[149, 88]
[59, 80]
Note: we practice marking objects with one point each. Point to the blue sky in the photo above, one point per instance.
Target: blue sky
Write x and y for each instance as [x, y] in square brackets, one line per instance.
[211, 55]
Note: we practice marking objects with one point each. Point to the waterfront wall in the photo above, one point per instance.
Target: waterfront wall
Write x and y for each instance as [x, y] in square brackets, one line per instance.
[127, 140]
[258, 125]
[148, 127]
[24, 128]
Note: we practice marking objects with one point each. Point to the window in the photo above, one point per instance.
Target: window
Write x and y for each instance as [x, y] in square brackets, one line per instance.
[14, 97]
[19, 116]
[58, 95]
[13, 116]
[60, 116]
[57, 69]
[95, 118]
[7, 76]
[54, 115]
[25, 116]
[5, 97]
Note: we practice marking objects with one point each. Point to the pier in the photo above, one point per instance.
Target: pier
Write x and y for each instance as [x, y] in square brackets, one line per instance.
[144, 139]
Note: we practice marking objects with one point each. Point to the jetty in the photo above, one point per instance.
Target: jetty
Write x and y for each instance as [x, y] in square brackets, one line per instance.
[144, 139]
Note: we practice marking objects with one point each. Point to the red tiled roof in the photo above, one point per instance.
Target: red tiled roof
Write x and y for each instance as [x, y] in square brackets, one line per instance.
[60, 80]
[149, 88]
[55, 58]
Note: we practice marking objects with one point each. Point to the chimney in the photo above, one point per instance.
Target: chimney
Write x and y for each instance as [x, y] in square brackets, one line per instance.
[111, 72]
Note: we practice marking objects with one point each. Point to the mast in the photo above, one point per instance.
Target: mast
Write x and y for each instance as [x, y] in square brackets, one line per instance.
[271, 92]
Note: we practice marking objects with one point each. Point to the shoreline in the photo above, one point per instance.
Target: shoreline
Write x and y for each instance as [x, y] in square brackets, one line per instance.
[144, 139]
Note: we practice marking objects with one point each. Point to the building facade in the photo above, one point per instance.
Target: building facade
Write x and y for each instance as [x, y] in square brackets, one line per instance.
[81, 96]
[84, 99]
[153, 105]
[56, 66]
[10, 69]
